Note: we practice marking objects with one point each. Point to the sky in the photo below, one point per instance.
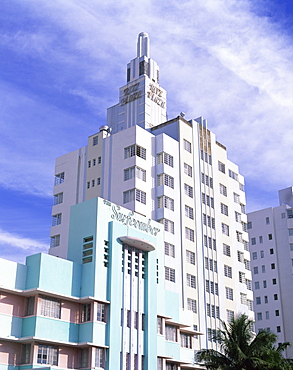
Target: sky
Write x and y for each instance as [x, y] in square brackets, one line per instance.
[63, 61]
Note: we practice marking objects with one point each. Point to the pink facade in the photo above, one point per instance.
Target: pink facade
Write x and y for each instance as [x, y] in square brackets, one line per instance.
[12, 304]
[10, 353]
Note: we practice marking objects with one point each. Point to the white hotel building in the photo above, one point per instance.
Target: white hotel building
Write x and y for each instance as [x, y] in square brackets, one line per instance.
[271, 246]
[174, 172]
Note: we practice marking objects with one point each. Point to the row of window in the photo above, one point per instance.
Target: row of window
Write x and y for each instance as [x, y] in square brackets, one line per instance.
[209, 242]
[207, 200]
[134, 194]
[208, 221]
[263, 268]
[94, 161]
[267, 222]
[270, 237]
[213, 311]
[93, 183]
[211, 264]
[265, 285]
[212, 287]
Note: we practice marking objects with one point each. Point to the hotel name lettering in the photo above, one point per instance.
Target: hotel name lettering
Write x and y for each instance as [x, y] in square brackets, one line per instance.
[132, 93]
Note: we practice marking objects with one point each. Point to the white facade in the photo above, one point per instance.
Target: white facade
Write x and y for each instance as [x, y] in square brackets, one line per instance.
[174, 172]
[271, 248]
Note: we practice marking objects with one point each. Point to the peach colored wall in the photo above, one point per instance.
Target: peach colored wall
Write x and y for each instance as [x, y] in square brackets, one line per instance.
[69, 358]
[11, 304]
[10, 353]
[70, 311]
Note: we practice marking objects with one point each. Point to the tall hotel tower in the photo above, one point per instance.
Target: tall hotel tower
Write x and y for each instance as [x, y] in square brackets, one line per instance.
[149, 226]
[271, 246]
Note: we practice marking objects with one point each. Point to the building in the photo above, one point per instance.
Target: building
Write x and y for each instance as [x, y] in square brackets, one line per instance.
[173, 178]
[271, 247]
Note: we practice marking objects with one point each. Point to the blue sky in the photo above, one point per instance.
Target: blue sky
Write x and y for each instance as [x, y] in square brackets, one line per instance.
[63, 61]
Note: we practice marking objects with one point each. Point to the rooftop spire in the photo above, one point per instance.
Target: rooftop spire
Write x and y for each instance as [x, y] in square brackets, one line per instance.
[143, 45]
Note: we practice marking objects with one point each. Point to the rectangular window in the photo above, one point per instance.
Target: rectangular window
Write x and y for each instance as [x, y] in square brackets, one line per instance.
[56, 219]
[189, 234]
[248, 284]
[259, 316]
[240, 256]
[134, 171]
[187, 145]
[233, 175]
[265, 284]
[86, 312]
[160, 325]
[273, 266]
[249, 225]
[99, 160]
[271, 235]
[191, 305]
[190, 257]
[221, 167]
[25, 353]
[188, 190]
[190, 281]
[135, 150]
[50, 307]
[228, 271]
[89, 164]
[223, 190]
[242, 277]
[169, 249]
[47, 355]
[140, 196]
[189, 212]
[101, 312]
[166, 202]
[230, 315]
[243, 298]
[93, 183]
[170, 274]
[224, 209]
[54, 241]
[186, 340]
[59, 178]
[237, 217]
[171, 333]
[94, 161]
[164, 179]
[95, 140]
[100, 358]
[256, 285]
[255, 270]
[187, 169]
[29, 306]
[229, 293]
[236, 198]
[58, 198]
[165, 158]
[227, 250]
[84, 357]
[267, 220]
[168, 225]
[263, 269]
[225, 229]
[253, 241]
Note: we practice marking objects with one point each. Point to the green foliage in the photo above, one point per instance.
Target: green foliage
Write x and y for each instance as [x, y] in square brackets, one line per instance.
[241, 349]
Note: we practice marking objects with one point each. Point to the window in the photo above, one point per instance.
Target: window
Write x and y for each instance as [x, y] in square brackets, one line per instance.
[259, 316]
[88, 184]
[89, 164]
[189, 212]
[93, 183]
[29, 306]
[224, 209]
[225, 229]
[223, 190]
[100, 358]
[237, 217]
[265, 284]
[95, 140]
[140, 196]
[253, 241]
[221, 167]
[168, 225]
[267, 220]
[240, 256]
[255, 270]
[257, 300]
[229, 293]
[186, 340]
[190, 257]
[85, 312]
[189, 234]
[242, 277]
[25, 353]
[170, 274]
[230, 315]
[188, 190]
[135, 150]
[249, 225]
[263, 268]
[166, 202]
[164, 179]
[99, 160]
[84, 357]
[273, 266]
[271, 235]
[233, 175]
[275, 297]
[190, 281]
[277, 312]
[241, 187]
[98, 181]
[59, 178]
[267, 315]
[191, 305]
[47, 355]
[94, 161]
[256, 285]
[228, 271]
[274, 281]
[165, 158]
[50, 307]
[171, 333]
[187, 145]
[160, 325]
[254, 255]
[278, 329]
[187, 169]
[56, 219]
[248, 284]
[227, 250]
[54, 241]
[236, 198]
[58, 198]
[291, 247]
[169, 249]
[134, 171]
[101, 312]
